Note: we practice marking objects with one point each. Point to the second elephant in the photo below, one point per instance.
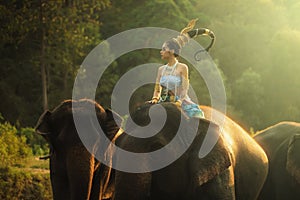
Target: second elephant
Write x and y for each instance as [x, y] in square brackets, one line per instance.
[75, 173]
[281, 143]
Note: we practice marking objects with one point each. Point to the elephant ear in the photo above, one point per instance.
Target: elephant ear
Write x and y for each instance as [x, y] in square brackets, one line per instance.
[43, 125]
[112, 123]
[217, 160]
[293, 160]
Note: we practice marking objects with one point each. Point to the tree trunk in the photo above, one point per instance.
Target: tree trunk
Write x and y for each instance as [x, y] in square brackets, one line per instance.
[42, 61]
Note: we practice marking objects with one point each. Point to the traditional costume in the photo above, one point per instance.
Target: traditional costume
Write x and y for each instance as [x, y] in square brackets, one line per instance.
[172, 87]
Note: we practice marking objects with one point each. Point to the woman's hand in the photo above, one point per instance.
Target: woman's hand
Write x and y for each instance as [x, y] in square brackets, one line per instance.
[154, 100]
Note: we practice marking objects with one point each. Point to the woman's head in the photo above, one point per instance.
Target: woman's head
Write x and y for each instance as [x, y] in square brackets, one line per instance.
[172, 47]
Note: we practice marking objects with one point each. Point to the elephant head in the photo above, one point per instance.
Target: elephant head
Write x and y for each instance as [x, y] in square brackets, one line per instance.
[293, 160]
[51, 123]
[74, 171]
[281, 143]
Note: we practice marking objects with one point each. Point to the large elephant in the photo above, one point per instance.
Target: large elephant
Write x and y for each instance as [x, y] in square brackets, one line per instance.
[235, 168]
[281, 143]
[74, 172]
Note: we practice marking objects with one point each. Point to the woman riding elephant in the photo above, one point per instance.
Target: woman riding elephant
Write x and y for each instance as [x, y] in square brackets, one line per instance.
[74, 171]
[172, 80]
[235, 168]
[281, 143]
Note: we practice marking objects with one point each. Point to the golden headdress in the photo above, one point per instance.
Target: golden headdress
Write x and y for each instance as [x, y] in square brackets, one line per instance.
[189, 32]
[183, 38]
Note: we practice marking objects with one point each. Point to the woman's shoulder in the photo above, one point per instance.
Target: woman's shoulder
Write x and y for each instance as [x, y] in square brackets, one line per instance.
[182, 66]
[161, 67]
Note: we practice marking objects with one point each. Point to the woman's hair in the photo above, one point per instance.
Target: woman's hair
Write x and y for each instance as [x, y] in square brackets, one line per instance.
[173, 45]
[187, 33]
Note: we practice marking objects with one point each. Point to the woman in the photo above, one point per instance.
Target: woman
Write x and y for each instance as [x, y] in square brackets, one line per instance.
[172, 80]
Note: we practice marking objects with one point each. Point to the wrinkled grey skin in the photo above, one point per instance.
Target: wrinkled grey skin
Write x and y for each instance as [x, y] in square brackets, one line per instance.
[236, 167]
[74, 172]
[281, 143]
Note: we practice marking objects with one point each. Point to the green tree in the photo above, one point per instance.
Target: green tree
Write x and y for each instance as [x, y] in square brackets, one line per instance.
[57, 36]
[42, 45]
[263, 35]
[281, 77]
[124, 15]
[248, 99]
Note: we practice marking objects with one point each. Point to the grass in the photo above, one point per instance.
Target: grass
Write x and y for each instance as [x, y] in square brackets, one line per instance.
[32, 165]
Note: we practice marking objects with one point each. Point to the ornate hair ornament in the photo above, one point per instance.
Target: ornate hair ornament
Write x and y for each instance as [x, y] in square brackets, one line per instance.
[184, 37]
[189, 32]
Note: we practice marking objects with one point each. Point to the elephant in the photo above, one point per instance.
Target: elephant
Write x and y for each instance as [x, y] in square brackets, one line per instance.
[74, 171]
[281, 142]
[235, 168]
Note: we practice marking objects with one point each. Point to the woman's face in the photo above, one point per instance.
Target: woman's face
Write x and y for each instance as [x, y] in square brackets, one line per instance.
[165, 52]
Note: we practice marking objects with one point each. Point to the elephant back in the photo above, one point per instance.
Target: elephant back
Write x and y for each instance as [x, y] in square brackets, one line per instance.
[272, 137]
[250, 161]
[241, 141]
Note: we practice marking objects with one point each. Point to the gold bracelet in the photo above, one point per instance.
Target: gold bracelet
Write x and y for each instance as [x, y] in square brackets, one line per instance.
[155, 98]
[179, 101]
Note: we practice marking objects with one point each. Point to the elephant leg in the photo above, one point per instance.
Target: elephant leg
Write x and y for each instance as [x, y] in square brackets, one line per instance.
[100, 182]
[59, 179]
[108, 186]
[96, 185]
[80, 164]
[219, 188]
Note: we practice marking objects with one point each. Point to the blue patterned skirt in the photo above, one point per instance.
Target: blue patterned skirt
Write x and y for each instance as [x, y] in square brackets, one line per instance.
[190, 108]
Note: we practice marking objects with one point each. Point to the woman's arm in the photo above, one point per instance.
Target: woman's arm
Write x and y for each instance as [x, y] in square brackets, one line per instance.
[157, 88]
[184, 73]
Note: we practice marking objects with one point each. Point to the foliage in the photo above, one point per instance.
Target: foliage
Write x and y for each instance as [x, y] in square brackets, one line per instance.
[123, 15]
[43, 38]
[17, 185]
[261, 35]
[36, 142]
[248, 92]
[21, 175]
[18, 144]
[13, 148]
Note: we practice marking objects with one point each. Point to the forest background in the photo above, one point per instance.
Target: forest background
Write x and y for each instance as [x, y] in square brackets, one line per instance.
[43, 43]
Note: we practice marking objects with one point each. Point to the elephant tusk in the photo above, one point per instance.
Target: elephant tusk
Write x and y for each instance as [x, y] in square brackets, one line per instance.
[45, 157]
[42, 133]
